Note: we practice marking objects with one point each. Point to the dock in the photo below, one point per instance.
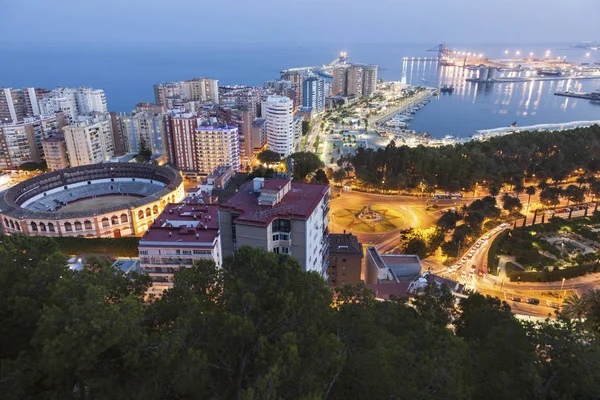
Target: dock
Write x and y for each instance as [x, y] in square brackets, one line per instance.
[595, 97]
[533, 79]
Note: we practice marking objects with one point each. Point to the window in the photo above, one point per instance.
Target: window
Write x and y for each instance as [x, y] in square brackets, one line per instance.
[51, 227]
[343, 260]
[144, 252]
[77, 226]
[123, 218]
[87, 224]
[68, 227]
[34, 227]
[105, 222]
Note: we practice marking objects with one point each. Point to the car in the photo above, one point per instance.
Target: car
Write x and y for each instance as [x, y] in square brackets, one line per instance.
[533, 301]
[516, 299]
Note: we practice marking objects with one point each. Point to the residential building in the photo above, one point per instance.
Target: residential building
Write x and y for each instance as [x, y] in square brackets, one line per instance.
[313, 94]
[171, 95]
[242, 97]
[179, 129]
[73, 102]
[258, 135]
[297, 80]
[354, 76]
[17, 104]
[419, 284]
[369, 79]
[90, 140]
[354, 80]
[216, 145]
[55, 152]
[242, 118]
[280, 216]
[278, 112]
[345, 259]
[180, 236]
[142, 129]
[21, 142]
[217, 179]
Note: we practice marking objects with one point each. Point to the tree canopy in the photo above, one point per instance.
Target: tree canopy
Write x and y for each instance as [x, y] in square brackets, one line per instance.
[305, 163]
[507, 159]
[260, 327]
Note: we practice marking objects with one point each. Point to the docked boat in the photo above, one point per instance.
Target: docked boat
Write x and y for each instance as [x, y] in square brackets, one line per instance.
[549, 72]
[447, 89]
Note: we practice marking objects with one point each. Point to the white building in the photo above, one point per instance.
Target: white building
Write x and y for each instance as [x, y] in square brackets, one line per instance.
[297, 128]
[278, 112]
[90, 141]
[280, 216]
[171, 95]
[217, 145]
[73, 102]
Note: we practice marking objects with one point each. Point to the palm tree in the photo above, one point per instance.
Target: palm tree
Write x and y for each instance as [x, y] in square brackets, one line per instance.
[574, 307]
[530, 191]
[518, 188]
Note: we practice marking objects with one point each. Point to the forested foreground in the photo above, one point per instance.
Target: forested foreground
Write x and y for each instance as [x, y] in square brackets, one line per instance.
[260, 328]
[507, 159]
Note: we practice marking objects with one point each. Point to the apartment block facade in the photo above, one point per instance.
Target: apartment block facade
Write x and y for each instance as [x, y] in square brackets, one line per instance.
[90, 141]
[280, 216]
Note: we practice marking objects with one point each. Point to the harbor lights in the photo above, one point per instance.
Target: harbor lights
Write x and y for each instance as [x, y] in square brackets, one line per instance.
[531, 54]
[505, 51]
[588, 54]
[518, 52]
[547, 53]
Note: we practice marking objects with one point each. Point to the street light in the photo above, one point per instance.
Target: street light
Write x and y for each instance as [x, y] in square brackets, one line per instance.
[561, 286]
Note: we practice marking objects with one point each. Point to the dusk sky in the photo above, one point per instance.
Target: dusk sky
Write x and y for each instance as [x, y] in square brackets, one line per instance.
[299, 21]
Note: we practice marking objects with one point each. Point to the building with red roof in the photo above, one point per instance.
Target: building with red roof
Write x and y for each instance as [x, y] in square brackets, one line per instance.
[279, 215]
[181, 235]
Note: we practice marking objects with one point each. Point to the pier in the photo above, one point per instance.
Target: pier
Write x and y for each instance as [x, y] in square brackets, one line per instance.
[595, 97]
[532, 78]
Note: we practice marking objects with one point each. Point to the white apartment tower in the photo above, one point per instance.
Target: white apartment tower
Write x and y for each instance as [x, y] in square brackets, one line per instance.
[278, 112]
[74, 102]
[90, 141]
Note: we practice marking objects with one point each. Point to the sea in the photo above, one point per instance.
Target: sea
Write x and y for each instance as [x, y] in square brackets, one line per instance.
[128, 71]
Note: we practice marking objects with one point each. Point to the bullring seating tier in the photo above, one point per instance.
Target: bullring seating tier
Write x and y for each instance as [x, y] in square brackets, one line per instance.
[54, 201]
[12, 199]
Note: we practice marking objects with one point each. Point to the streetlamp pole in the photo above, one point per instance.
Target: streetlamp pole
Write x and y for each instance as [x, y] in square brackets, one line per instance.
[561, 287]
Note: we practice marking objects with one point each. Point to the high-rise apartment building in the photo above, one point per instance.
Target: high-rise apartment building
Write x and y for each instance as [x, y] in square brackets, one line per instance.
[21, 142]
[200, 146]
[354, 75]
[354, 80]
[217, 145]
[179, 129]
[90, 141]
[313, 94]
[171, 95]
[369, 79]
[17, 104]
[242, 118]
[141, 129]
[279, 118]
[297, 128]
[55, 152]
[280, 216]
[73, 102]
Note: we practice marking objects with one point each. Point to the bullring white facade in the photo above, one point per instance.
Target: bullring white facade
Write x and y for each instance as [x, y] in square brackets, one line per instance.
[33, 207]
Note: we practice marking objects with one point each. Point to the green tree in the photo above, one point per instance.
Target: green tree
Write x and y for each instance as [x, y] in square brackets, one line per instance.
[549, 196]
[305, 163]
[339, 175]
[268, 157]
[511, 204]
[321, 177]
[145, 152]
[306, 127]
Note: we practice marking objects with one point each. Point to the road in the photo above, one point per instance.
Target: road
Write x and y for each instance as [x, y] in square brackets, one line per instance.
[550, 294]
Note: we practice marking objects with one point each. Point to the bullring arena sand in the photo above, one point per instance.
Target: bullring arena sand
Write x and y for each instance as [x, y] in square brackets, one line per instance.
[98, 203]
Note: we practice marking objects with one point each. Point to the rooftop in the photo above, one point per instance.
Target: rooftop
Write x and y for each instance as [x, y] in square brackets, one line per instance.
[344, 243]
[194, 222]
[298, 202]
